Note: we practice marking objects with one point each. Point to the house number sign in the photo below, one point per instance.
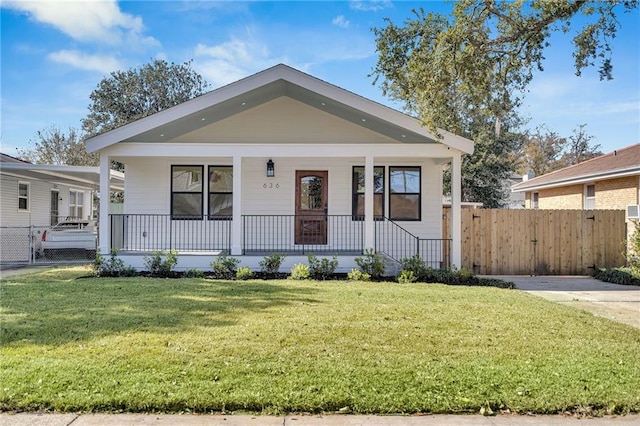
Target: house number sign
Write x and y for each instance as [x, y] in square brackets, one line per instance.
[271, 185]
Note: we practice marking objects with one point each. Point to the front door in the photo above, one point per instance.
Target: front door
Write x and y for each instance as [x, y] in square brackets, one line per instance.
[311, 207]
[55, 212]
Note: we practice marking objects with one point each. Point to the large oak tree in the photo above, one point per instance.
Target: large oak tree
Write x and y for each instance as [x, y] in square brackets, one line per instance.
[474, 65]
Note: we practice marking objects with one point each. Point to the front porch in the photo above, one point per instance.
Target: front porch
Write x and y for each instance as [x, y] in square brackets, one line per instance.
[199, 238]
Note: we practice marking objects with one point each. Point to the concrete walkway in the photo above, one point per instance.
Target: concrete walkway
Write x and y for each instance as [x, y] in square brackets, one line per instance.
[23, 419]
[617, 302]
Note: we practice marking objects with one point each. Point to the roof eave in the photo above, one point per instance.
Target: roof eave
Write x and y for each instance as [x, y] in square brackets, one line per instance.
[612, 174]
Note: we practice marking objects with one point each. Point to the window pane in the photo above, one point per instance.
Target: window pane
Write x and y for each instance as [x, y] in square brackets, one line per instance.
[23, 190]
[404, 179]
[221, 179]
[378, 179]
[591, 190]
[187, 205]
[79, 200]
[589, 203]
[79, 211]
[405, 207]
[72, 197]
[187, 179]
[311, 193]
[22, 204]
[221, 205]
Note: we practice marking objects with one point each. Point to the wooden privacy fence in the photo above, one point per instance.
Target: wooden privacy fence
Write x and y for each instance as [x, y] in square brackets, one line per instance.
[540, 242]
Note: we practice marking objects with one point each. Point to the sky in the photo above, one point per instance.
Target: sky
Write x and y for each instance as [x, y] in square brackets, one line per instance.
[54, 54]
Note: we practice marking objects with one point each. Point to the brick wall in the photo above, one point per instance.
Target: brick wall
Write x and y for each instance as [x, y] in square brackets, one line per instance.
[564, 197]
[617, 193]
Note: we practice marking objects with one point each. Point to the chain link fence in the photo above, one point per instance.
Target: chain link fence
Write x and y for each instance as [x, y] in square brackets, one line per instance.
[22, 245]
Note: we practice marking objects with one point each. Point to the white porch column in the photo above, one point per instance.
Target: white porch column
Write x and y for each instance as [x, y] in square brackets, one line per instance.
[456, 214]
[236, 224]
[105, 200]
[369, 229]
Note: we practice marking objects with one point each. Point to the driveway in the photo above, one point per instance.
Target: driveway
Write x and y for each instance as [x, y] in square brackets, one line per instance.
[617, 302]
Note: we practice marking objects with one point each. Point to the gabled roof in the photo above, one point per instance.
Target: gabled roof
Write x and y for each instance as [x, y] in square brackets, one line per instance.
[619, 163]
[280, 80]
[82, 176]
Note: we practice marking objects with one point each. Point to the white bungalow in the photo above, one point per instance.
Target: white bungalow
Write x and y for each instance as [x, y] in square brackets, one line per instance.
[281, 162]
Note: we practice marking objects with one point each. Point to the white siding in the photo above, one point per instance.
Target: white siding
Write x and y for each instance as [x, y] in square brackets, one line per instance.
[147, 191]
[39, 201]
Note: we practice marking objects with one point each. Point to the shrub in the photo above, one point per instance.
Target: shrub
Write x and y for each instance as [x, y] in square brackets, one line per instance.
[194, 273]
[407, 277]
[321, 269]
[416, 265]
[358, 275]
[244, 273]
[625, 276]
[299, 271]
[270, 265]
[161, 268]
[371, 264]
[113, 267]
[224, 267]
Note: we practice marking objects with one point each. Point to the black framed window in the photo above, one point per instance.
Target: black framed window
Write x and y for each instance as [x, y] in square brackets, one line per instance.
[221, 192]
[404, 193]
[357, 207]
[186, 192]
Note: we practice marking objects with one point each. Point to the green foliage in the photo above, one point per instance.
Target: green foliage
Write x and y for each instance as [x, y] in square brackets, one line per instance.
[624, 276]
[371, 264]
[158, 267]
[270, 265]
[467, 72]
[321, 268]
[194, 273]
[224, 267]
[545, 151]
[480, 58]
[416, 265]
[127, 96]
[358, 275]
[53, 146]
[244, 273]
[112, 267]
[633, 255]
[299, 271]
[407, 277]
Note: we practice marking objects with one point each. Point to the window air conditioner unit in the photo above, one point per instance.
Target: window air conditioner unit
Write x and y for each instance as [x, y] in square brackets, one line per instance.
[633, 212]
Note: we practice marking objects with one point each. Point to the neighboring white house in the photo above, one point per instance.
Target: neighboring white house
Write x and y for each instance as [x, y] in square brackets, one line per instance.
[281, 162]
[39, 195]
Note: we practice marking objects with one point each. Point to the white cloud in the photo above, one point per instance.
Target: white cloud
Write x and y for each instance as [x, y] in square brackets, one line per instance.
[370, 5]
[87, 21]
[231, 60]
[100, 63]
[340, 21]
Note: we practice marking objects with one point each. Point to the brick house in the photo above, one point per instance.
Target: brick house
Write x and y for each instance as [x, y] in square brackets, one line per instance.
[611, 181]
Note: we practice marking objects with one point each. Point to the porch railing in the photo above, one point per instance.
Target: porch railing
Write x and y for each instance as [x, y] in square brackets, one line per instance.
[266, 234]
[149, 232]
[398, 243]
[302, 234]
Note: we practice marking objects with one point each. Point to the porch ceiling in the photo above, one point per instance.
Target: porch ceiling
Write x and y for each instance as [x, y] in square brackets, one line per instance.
[250, 99]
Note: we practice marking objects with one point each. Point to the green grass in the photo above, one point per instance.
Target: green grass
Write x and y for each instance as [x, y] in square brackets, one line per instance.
[72, 343]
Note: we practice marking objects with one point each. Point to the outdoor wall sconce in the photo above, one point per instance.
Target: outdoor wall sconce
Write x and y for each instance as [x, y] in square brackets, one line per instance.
[270, 168]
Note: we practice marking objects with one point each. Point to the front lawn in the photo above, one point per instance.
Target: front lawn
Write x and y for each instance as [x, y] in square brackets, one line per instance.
[74, 343]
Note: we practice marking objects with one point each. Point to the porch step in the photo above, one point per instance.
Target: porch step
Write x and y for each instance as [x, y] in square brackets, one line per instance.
[391, 266]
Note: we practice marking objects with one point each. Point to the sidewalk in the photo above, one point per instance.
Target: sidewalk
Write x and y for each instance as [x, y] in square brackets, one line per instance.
[21, 419]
